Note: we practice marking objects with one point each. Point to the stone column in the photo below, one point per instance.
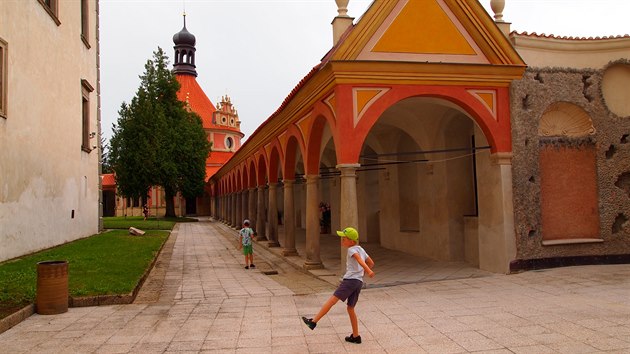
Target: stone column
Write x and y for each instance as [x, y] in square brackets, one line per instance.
[239, 209]
[497, 239]
[260, 217]
[227, 209]
[348, 211]
[313, 259]
[224, 208]
[233, 211]
[244, 205]
[289, 220]
[251, 201]
[272, 215]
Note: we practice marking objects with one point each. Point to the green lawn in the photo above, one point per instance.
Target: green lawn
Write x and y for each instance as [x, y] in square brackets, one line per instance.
[121, 222]
[105, 264]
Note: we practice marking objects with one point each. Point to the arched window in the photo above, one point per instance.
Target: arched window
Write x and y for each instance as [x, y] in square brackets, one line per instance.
[568, 174]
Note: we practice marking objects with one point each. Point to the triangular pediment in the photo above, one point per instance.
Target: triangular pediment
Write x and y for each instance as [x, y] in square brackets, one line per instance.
[434, 31]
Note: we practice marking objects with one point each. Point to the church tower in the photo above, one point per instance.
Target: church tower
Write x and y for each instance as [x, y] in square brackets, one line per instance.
[222, 126]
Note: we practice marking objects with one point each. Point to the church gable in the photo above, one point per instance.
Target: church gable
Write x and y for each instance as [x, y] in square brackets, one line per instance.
[436, 31]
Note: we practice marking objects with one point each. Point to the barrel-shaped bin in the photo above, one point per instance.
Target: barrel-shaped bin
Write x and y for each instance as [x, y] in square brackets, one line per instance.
[52, 287]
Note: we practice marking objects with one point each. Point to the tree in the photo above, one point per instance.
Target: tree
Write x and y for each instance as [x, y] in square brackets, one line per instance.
[157, 141]
[106, 166]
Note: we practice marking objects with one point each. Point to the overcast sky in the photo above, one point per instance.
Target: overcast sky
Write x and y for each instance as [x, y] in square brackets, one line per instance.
[256, 51]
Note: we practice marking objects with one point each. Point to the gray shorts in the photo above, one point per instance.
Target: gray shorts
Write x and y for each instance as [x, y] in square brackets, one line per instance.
[349, 289]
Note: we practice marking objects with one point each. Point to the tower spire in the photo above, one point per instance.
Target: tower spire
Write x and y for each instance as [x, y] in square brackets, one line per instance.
[184, 62]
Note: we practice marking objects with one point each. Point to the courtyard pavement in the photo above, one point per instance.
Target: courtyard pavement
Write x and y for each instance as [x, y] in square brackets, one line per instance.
[199, 298]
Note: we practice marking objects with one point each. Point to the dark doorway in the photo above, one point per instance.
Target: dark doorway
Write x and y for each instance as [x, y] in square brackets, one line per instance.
[191, 206]
[109, 203]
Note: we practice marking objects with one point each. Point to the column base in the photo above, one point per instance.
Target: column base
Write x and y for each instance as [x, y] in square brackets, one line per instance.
[308, 265]
[289, 252]
[260, 238]
[273, 244]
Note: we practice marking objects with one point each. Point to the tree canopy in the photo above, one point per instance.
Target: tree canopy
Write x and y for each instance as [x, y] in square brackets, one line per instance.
[157, 140]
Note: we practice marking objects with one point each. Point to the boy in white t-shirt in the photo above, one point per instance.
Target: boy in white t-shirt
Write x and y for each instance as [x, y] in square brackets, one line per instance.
[357, 263]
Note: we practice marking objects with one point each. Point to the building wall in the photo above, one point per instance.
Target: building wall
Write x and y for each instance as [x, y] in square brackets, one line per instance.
[531, 98]
[49, 186]
[575, 53]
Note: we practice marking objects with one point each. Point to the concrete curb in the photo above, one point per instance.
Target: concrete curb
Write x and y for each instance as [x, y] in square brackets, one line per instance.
[17, 317]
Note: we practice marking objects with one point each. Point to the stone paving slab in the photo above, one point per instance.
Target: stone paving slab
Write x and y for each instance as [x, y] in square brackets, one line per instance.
[208, 303]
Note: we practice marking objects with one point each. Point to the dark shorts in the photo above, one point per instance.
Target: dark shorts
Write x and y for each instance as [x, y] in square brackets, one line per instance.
[349, 289]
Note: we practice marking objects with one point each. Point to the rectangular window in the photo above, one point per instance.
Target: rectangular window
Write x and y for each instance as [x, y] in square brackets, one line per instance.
[3, 78]
[51, 6]
[85, 23]
[86, 135]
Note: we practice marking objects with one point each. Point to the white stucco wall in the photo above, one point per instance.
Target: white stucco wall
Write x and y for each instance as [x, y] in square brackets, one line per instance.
[44, 173]
[570, 53]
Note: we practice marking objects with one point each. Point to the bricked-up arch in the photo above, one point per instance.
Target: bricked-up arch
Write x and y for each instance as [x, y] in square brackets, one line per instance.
[568, 174]
[567, 120]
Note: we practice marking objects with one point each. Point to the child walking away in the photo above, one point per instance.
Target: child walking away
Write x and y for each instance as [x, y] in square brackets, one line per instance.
[245, 243]
[358, 263]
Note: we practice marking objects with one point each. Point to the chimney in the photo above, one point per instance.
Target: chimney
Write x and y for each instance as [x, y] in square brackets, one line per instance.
[342, 21]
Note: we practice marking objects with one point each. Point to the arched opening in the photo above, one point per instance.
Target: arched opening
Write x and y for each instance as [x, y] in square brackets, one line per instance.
[417, 181]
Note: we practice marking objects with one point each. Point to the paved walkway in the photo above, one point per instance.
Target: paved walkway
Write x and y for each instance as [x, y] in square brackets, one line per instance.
[200, 299]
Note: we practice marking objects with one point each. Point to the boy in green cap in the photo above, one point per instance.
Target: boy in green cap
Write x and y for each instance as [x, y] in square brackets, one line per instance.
[358, 262]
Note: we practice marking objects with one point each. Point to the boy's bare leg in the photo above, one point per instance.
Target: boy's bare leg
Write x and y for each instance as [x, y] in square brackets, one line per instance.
[325, 308]
[353, 321]
[246, 258]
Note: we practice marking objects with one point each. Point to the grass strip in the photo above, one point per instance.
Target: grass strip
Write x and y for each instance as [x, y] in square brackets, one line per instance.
[105, 264]
[122, 222]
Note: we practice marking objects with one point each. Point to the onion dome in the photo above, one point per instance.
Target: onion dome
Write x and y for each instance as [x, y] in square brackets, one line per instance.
[184, 37]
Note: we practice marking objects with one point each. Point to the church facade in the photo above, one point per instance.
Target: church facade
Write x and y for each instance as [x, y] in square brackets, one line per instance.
[221, 124]
[455, 141]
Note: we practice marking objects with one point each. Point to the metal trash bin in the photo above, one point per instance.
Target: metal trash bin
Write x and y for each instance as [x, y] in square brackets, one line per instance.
[52, 287]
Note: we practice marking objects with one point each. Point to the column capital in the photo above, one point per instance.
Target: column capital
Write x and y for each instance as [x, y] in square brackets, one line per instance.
[288, 182]
[311, 179]
[348, 169]
[501, 158]
[273, 185]
[342, 166]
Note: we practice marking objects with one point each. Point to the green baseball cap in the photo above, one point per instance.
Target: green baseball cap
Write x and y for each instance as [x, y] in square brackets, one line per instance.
[350, 233]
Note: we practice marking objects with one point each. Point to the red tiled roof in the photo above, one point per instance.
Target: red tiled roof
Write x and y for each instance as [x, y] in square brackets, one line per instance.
[551, 36]
[108, 180]
[192, 93]
[214, 158]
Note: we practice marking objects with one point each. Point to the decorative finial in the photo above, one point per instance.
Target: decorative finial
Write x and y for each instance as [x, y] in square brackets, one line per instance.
[497, 6]
[342, 7]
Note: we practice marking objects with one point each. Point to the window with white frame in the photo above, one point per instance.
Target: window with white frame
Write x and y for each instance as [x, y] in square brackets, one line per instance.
[86, 88]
